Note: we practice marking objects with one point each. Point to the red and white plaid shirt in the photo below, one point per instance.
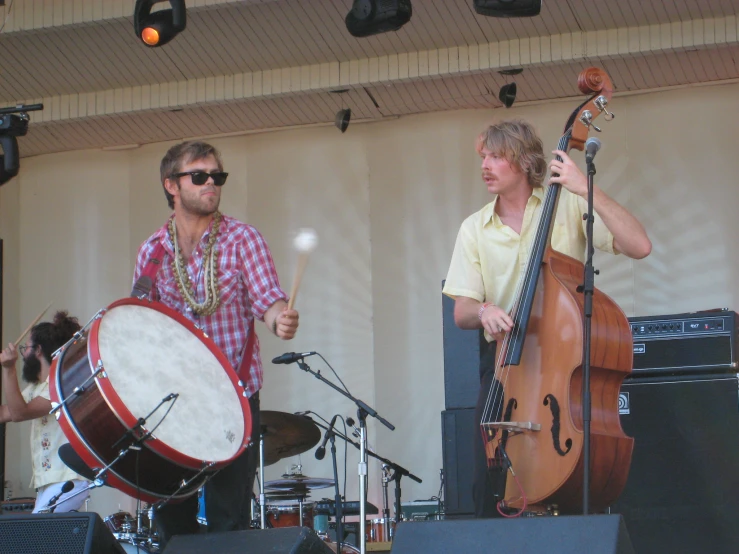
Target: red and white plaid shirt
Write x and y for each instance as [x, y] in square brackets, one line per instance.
[248, 286]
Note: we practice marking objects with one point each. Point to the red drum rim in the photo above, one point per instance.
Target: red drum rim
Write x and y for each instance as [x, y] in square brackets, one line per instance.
[85, 450]
[127, 418]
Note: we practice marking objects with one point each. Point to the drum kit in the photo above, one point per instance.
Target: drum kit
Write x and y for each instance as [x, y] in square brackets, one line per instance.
[135, 423]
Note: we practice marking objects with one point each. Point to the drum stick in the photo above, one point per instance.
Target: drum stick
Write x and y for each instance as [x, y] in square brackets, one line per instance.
[35, 321]
[305, 242]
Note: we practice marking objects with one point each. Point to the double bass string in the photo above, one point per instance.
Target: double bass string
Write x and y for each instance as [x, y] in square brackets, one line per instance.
[495, 397]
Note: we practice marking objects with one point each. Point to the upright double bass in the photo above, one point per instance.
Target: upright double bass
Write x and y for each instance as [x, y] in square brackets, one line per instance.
[533, 422]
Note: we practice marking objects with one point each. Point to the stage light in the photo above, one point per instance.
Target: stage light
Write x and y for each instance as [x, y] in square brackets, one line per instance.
[342, 119]
[13, 123]
[507, 94]
[158, 28]
[508, 8]
[370, 17]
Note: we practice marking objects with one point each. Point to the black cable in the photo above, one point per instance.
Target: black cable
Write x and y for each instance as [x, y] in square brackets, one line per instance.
[334, 372]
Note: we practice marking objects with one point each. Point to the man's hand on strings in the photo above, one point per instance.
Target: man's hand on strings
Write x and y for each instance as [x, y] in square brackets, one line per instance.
[568, 174]
[495, 321]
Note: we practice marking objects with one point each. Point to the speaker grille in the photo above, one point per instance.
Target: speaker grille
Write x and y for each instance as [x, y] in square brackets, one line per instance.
[32, 536]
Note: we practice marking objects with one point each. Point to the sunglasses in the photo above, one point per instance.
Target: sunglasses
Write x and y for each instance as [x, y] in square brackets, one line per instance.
[201, 177]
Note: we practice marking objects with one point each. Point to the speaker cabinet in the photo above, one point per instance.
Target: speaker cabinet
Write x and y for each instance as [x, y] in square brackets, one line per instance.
[461, 360]
[681, 494]
[285, 540]
[457, 434]
[601, 534]
[67, 533]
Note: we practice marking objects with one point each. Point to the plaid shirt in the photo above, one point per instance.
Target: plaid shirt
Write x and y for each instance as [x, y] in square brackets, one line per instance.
[248, 287]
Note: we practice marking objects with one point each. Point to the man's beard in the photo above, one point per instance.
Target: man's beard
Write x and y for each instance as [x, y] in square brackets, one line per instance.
[31, 369]
[196, 206]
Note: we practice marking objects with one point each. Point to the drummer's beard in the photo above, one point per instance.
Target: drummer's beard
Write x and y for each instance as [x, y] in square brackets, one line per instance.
[31, 369]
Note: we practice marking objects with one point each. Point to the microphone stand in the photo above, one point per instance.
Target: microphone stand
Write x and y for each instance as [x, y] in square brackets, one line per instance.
[587, 288]
[337, 495]
[398, 469]
[363, 410]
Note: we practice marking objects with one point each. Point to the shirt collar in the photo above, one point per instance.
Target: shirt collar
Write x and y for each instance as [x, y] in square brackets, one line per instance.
[489, 215]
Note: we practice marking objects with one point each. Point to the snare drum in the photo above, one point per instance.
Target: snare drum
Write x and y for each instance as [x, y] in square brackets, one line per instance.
[121, 523]
[125, 526]
[145, 358]
[380, 530]
[287, 514]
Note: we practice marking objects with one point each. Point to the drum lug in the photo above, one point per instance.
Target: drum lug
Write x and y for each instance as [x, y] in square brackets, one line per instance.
[99, 369]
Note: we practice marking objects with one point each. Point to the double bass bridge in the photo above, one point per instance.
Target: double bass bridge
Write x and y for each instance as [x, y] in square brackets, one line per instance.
[513, 427]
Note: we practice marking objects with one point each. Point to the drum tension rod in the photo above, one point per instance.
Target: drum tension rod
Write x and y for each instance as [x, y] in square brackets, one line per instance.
[77, 390]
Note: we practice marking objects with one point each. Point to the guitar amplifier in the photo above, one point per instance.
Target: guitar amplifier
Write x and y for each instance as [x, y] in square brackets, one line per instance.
[685, 343]
[17, 505]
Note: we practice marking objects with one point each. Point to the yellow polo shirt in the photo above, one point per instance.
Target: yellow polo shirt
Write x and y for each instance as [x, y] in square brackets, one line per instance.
[489, 257]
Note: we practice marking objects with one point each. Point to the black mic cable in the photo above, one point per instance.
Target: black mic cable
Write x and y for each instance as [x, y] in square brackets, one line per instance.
[321, 450]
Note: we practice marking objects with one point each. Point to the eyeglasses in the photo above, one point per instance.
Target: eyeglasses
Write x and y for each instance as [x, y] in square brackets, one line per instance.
[23, 348]
[201, 177]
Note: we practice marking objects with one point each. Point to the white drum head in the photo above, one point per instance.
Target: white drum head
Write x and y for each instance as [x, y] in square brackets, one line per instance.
[147, 355]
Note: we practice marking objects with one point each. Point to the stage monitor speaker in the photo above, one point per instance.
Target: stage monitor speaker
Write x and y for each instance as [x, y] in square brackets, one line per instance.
[681, 494]
[284, 540]
[597, 534]
[67, 533]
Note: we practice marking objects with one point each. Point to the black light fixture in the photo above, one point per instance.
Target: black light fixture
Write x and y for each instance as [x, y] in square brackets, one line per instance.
[370, 17]
[508, 8]
[507, 94]
[342, 119]
[344, 115]
[13, 123]
[158, 28]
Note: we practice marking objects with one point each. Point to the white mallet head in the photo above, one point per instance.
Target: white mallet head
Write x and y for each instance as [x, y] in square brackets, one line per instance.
[306, 240]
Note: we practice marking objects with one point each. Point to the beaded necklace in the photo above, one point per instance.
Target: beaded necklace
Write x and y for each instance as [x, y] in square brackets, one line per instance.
[210, 271]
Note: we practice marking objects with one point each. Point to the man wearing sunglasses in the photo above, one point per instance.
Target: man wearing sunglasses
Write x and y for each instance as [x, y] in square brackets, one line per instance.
[50, 475]
[218, 272]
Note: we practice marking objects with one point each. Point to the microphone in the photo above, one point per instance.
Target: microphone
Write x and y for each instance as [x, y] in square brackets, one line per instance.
[321, 450]
[290, 357]
[592, 145]
[355, 430]
[66, 487]
[142, 287]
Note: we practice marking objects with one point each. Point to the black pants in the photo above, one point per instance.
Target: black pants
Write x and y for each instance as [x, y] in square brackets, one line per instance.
[227, 495]
[488, 485]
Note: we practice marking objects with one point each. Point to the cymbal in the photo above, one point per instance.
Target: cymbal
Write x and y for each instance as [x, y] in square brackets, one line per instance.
[278, 495]
[286, 435]
[298, 482]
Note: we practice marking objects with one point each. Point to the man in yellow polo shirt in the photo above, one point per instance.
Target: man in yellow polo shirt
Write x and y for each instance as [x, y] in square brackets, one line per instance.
[493, 247]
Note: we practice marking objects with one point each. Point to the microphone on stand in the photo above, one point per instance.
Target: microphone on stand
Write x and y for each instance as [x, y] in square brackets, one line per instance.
[355, 430]
[321, 450]
[290, 357]
[592, 145]
[66, 487]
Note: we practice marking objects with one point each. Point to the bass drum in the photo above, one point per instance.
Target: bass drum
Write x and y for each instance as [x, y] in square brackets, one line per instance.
[143, 373]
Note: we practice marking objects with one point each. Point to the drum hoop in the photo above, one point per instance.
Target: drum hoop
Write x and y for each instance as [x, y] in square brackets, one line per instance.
[121, 411]
[85, 450]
